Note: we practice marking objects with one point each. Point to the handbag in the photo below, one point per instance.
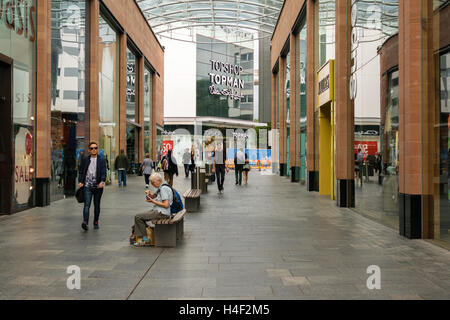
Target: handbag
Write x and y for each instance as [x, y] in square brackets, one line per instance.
[246, 166]
[79, 194]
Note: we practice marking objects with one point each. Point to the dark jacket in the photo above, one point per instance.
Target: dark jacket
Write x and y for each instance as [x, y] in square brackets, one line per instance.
[121, 162]
[173, 168]
[101, 169]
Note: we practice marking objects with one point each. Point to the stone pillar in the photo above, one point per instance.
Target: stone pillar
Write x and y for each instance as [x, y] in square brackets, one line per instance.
[43, 102]
[312, 166]
[410, 118]
[345, 163]
[282, 114]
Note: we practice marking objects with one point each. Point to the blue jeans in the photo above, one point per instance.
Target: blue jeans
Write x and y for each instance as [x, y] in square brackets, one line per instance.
[122, 177]
[96, 193]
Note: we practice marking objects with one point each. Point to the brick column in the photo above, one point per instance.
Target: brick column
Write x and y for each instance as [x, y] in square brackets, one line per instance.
[312, 166]
[345, 163]
[43, 102]
[282, 112]
[92, 69]
[410, 118]
[123, 93]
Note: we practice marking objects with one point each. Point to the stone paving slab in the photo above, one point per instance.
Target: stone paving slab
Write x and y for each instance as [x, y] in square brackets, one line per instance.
[268, 240]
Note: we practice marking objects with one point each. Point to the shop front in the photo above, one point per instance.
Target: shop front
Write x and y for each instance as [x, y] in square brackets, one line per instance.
[18, 30]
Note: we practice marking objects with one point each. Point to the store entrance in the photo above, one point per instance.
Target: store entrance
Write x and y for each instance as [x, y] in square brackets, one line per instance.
[326, 151]
[5, 137]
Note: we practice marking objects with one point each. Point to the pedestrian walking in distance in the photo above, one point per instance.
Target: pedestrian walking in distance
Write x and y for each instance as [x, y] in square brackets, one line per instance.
[122, 165]
[219, 166]
[92, 177]
[186, 162]
[170, 167]
[246, 169]
[239, 161]
[147, 168]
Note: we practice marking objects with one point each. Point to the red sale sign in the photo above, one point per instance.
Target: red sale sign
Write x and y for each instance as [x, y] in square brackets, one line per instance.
[167, 145]
[368, 148]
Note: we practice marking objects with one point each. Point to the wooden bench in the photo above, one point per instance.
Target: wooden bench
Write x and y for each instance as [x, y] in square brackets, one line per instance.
[192, 199]
[168, 231]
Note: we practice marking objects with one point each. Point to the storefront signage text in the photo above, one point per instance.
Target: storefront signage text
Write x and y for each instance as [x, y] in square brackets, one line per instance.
[325, 84]
[228, 80]
[17, 15]
[354, 43]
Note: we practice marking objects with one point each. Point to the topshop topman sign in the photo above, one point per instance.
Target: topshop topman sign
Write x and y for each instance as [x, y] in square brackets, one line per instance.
[230, 80]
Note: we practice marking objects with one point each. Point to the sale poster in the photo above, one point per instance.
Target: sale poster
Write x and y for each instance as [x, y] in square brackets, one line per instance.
[166, 146]
[368, 148]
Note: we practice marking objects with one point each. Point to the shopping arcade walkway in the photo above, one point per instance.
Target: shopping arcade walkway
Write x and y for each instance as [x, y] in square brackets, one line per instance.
[269, 240]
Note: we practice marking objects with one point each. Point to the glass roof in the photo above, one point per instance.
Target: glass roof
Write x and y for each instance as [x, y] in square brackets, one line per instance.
[229, 20]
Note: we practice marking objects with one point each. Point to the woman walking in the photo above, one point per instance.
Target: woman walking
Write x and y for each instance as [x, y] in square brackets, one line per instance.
[246, 169]
[146, 168]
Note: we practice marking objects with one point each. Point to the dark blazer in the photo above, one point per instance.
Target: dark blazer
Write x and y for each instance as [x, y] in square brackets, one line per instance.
[101, 169]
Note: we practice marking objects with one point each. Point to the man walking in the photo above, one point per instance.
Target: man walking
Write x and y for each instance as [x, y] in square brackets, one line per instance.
[219, 166]
[239, 162]
[122, 165]
[92, 176]
[186, 162]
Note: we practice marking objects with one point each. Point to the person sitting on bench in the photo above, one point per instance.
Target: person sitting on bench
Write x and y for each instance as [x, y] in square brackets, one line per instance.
[160, 208]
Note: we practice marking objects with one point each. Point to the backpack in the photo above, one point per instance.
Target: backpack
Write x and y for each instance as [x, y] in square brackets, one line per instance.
[177, 203]
[165, 164]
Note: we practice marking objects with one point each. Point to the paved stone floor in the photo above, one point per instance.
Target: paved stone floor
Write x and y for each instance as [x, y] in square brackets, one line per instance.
[270, 240]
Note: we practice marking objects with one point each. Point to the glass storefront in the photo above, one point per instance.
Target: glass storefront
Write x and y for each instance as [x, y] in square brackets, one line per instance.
[444, 147]
[147, 111]
[132, 130]
[18, 31]
[389, 146]
[436, 121]
[376, 175]
[68, 94]
[109, 73]
[326, 31]
[287, 93]
[300, 135]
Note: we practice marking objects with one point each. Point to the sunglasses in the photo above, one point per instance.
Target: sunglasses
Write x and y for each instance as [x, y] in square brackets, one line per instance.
[94, 148]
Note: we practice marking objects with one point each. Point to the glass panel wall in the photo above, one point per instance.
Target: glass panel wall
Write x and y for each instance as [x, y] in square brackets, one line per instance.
[300, 79]
[287, 94]
[389, 161]
[376, 105]
[326, 31]
[132, 130]
[147, 111]
[68, 94]
[17, 41]
[436, 120]
[108, 50]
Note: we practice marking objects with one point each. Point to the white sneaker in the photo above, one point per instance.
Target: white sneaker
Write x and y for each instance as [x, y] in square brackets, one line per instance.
[146, 186]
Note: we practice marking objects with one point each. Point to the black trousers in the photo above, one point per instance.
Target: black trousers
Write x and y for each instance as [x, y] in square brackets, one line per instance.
[238, 173]
[147, 178]
[186, 169]
[220, 175]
